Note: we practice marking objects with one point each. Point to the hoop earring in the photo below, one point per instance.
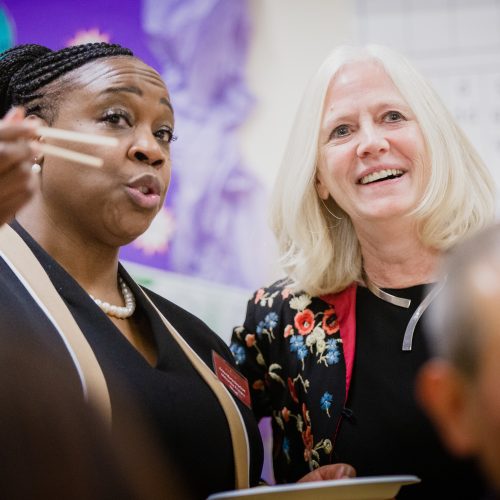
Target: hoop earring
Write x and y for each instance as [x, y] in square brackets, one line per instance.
[329, 211]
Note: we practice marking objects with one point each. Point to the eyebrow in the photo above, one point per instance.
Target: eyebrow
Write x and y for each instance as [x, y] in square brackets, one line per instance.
[137, 91]
[331, 117]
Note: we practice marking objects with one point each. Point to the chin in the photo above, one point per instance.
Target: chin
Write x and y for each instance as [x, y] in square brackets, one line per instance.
[129, 233]
[388, 211]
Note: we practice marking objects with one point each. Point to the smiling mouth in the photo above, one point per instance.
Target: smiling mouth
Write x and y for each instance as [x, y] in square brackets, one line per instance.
[381, 175]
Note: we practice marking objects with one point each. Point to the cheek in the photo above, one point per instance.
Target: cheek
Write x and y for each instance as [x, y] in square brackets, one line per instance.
[411, 143]
[488, 424]
[487, 404]
[166, 176]
[336, 164]
[166, 173]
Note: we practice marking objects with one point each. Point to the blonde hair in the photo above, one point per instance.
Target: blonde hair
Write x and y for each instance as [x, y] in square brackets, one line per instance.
[320, 253]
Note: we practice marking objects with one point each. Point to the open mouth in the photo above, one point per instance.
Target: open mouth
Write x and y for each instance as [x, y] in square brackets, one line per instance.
[146, 190]
[146, 184]
[381, 175]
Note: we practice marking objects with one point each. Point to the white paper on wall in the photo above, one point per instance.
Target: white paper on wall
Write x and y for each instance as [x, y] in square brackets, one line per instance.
[456, 45]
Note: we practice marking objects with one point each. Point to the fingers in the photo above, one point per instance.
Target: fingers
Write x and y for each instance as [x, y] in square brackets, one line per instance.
[14, 127]
[344, 471]
[332, 471]
[16, 187]
[15, 114]
[15, 136]
[16, 156]
[17, 131]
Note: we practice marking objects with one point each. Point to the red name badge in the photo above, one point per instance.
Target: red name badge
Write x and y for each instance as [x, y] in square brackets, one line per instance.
[232, 379]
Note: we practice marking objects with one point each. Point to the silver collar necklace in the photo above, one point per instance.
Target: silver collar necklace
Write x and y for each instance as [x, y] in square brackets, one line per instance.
[402, 302]
[387, 297]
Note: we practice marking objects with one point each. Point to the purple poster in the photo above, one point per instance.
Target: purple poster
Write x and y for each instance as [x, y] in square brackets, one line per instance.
[214, 220]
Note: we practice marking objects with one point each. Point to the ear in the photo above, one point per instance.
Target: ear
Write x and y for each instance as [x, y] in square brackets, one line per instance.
[321, 188]
[40, 122]
[446, 397]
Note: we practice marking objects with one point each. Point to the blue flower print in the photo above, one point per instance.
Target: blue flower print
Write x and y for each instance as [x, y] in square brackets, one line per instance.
[238, 353]
[326, 402]
[286, 445]
[271, 320]
[302, 352]
[296, 342]
[332, 352]
[286, 448]
[260, 328]
[297, 346]
[331, 344]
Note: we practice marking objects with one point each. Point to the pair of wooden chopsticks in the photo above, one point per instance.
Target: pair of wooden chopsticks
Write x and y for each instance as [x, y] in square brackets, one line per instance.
[70, 135]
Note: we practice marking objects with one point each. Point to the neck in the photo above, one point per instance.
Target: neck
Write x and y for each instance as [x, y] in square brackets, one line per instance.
[94, 266]
[396, 262]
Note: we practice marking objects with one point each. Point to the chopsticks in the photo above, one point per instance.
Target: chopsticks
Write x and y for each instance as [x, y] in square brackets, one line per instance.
[70, 135]
[68, 154]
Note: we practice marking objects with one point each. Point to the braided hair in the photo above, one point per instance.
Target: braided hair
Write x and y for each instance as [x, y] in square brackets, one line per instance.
[26, 70]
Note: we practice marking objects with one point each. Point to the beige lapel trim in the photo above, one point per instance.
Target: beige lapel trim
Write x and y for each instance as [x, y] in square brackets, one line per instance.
[235, 420]
[30, 272]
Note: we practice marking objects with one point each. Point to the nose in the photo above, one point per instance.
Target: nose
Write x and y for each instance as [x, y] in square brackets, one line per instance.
[372, 141]
[146, 149]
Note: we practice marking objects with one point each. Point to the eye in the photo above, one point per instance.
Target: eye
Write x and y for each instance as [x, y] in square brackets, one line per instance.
[340, 131]
[393, 116]
[166, 134]
[117, 117]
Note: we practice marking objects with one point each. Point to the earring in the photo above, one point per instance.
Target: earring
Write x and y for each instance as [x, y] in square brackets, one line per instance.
[329, 211]
[36, 168]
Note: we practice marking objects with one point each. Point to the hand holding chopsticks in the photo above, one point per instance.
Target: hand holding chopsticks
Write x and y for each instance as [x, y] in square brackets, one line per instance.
[70, 135]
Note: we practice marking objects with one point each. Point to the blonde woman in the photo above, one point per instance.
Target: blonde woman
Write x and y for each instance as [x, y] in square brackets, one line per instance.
[376, 184]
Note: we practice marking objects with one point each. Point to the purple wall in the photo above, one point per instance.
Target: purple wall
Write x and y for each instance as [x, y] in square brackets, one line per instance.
[214, 220]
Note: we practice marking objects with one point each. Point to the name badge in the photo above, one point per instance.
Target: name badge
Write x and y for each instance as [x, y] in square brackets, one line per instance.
[232, 379]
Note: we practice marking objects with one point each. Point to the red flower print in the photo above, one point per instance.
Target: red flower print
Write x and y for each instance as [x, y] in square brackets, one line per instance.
[304, 321]
[305, 414]
[250, 339]
[258, 295]
[285, 413]
[308, 440]
[330, 323]
[307, 437]
[258, 385]
[288, 331]
[291, 389]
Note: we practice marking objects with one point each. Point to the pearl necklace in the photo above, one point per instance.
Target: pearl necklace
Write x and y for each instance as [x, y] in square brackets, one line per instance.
[121, 312]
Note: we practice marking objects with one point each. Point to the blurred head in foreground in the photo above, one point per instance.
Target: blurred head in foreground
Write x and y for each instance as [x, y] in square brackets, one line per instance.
[460, 388]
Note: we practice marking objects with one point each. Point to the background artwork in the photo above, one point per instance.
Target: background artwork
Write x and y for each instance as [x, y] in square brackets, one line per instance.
[214, 215]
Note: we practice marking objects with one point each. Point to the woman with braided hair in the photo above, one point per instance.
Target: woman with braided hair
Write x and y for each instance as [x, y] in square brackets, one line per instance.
[59, 267]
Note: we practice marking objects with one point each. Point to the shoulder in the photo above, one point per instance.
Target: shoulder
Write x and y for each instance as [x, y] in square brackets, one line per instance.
[281, 295]
[279, 301]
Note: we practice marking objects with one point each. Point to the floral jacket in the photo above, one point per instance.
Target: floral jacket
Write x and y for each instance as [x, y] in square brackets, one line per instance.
[297, 353]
